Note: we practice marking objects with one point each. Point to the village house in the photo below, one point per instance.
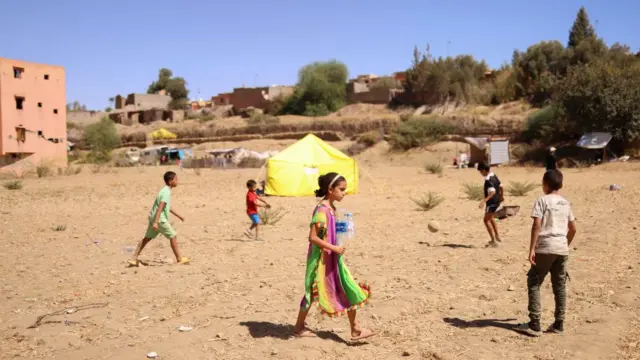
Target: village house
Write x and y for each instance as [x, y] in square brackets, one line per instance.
[257, 97]
[33, 116]
[362, 89]
[139, 108]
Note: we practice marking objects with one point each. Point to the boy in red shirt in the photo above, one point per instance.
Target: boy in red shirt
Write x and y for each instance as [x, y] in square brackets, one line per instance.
[252, 208]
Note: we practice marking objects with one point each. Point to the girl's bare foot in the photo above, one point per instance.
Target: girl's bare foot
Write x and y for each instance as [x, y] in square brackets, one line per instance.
[361, 334]
[305, 332]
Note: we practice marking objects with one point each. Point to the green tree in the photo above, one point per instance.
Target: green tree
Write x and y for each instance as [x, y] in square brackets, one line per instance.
[538, 70]
[321, 89]
[603, 96]
[581, 29]
[75, 106]
[176, 87]
[102, 137]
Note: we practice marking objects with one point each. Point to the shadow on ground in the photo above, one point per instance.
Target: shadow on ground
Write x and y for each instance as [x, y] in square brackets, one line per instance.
[263, 329]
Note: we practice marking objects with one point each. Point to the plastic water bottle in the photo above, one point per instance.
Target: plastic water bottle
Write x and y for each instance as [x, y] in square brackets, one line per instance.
[351, 226]
[342, 228]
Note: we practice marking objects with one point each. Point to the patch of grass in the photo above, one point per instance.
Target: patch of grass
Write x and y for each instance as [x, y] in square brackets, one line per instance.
[473, 191]
[43, 171]
[517, 188]
[270, 216]
[13, 185]
[59, 228]
[262, 119]
[428, 201]
[251, 162]
[434, 168]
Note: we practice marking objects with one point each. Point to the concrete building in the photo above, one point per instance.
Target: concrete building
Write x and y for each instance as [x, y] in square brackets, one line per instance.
[142, 101]
[33, 116]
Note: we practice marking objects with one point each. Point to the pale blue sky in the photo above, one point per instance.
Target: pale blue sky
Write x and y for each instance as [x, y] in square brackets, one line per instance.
[118, 46]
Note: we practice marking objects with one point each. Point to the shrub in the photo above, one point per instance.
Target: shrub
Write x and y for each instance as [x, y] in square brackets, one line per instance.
[43, 171]
[69, 170]
[13, 185]
[419, 132]
[270, 216]
[517, 188]
[546, 125]
[370, 138]
[473, 191]
[434, 168]
[428, 201]
[101, 137]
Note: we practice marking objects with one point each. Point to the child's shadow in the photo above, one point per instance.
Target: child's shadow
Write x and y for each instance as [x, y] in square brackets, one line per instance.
[483, 323]
[262, 329]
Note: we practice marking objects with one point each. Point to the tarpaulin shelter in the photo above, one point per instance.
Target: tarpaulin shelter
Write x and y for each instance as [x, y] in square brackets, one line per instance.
[163, 134]
[596, 141]
[295, 170]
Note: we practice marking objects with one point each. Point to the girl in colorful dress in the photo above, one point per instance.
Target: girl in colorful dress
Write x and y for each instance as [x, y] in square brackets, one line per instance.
[328, 281]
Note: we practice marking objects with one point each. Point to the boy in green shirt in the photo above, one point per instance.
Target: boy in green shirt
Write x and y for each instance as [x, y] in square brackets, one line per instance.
[159, 221]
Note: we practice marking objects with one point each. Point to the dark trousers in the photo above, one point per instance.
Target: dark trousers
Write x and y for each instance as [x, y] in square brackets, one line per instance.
[557, 266]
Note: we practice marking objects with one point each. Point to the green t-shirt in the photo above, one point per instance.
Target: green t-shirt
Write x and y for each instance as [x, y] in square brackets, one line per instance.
[163, 196]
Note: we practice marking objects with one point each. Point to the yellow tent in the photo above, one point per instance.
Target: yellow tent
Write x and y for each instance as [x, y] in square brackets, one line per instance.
[163, 133]
[295, 170]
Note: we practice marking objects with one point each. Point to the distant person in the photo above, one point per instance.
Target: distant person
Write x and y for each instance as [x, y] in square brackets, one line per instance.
[159, 221]
[551, 163]
[252, 208]
[493, 197]
[328, 281]
[553, 230]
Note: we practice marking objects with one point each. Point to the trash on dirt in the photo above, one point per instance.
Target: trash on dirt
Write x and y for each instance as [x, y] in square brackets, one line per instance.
[615, 187]
[185, 328]
[71, 311]
[153, 355]
[128, 248]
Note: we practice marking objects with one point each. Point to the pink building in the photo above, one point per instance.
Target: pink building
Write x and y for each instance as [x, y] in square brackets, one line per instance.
[33, 116]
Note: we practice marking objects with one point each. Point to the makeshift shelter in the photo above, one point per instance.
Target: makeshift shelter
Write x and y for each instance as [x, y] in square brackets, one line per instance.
[163, 134]
[492, 150]
[295, 170]
[596, 141]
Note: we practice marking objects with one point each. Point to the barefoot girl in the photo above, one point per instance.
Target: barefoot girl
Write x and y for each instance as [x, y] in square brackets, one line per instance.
[328, 281]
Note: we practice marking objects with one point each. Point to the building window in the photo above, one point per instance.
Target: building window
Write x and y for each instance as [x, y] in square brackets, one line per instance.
[19, 102]
[55, 111]
[39, 105]
[46, 76]
[17, 72]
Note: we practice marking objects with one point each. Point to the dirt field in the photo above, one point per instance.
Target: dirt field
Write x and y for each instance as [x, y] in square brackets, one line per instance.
[435, 296]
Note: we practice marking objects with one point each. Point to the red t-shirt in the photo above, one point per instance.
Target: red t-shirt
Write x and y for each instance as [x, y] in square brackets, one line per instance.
[252, 206]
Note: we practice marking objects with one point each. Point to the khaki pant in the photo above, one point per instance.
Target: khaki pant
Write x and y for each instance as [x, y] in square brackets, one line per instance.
[557, 266]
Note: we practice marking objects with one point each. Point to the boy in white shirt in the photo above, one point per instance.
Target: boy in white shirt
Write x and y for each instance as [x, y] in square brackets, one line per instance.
[553, 230]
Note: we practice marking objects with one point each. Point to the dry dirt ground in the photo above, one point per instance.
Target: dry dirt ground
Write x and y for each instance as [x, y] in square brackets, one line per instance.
[435, 296]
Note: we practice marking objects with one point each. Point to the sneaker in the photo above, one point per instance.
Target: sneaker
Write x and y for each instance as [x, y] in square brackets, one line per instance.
[530, 328]
[491, 244]
[556, 328]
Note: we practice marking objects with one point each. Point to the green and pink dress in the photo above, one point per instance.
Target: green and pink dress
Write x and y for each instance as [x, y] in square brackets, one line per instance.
[328, 281]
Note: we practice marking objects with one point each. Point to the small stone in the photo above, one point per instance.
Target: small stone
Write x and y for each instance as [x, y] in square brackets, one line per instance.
[274, 352]
[575, 248]
[511, 288]
[611, 292]
[406, 353]
[495, 340]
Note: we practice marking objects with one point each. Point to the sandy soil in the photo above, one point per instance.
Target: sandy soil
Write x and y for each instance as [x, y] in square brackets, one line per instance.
[435, 296]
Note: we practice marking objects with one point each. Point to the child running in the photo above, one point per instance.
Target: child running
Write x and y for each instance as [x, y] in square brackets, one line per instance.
[493, 196]
[328, 281]
[553, 230]
[159, 221]
[252, 209]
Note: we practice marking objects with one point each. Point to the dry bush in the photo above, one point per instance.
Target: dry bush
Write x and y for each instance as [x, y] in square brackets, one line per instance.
[428, 201]
[13, 185]
[270, 216]
[370, 138]
[251, 162]
[420, 131]
[434, 168]
[43, 171]
[517, 188]
[262, 119]
[473, 191]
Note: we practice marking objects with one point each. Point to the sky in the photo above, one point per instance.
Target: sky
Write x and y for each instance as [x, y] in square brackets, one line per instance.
[117, 46]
